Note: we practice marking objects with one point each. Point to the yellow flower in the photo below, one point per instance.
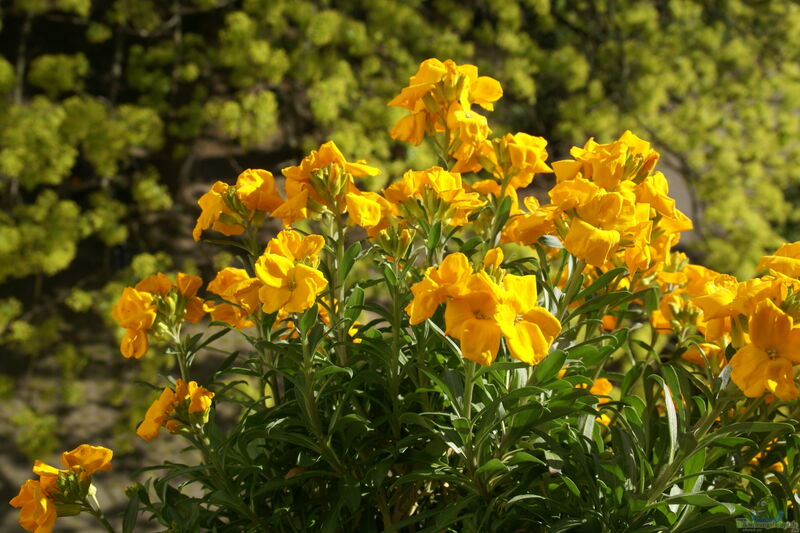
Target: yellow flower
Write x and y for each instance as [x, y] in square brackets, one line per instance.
[157, 414]
[134, 309]
[293, 245]
[213, 206]
[155, 284]
[38, 500]
[440, 282]
[188, 403]
[601, 387]
[299, 178]
[470, 318]
[517, 157]
[785, 260]
[287, 285]
[293, 209]
[591, 244]
[766, 362]
[87, 459]
[134, 343]
[235, 286]
[257, 191]
[37, 511]
[529, 329]
[435, 91]
[370, 210]
[526, 228]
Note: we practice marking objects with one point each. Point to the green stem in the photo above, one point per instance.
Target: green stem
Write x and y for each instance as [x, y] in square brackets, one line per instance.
[310, 402]
[95, 511]
[394, 365]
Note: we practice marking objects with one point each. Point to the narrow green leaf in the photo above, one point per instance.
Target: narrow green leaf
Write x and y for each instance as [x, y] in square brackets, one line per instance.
[348, 260]
[492, 465]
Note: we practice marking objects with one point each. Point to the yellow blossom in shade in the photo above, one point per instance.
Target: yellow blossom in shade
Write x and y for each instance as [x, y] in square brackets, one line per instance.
[529, 329]
[157, 283]
[297, 247]
[410, 128]
[370, 210]
[601, 387]
[87, 459]
[187, 400]
[134, 343]
[134, 309]
[187, 286]
[287, 285]
[293, 209]
[236, 286]
[491, 187]
[37, 511]
[257, 191]
[157, 414]
[444, 281]
[785, 260]
[470, 318]
[591, 244]
[766, 362]
[528, 227]
[213, 206]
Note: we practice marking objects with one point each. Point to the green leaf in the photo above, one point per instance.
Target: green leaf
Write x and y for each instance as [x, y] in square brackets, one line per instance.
[604, 280]
[672, 417]
[492, 465]
[131, 512]
[388, 275]
[434, 236]
[352, 308]
[694, 465]
[333, 369]
[549, 367]
[308, 319]
[348, 260]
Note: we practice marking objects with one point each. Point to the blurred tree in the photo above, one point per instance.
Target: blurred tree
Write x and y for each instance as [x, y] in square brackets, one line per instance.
[108, 110]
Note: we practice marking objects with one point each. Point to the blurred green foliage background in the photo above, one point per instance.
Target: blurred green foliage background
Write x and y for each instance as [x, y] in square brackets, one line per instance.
[116, 114]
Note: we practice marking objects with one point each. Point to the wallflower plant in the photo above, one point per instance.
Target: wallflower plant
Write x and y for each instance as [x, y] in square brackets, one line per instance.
[447, 354]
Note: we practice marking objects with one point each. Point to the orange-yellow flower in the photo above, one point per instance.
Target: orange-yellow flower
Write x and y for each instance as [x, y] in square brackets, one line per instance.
[188, 403]
[529, 329]
[470, 318]
[37, 511]
[287, 285]
[785, 260]
[257, 191]
[235, 286]
[766, 362]
[213, 207]
[441, 282]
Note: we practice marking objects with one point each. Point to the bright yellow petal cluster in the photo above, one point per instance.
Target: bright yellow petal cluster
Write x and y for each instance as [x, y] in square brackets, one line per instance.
[188, 404]
[322, 178]
[227, 209]
[240, 294]
[286, 270]
[479, 312]
[767, 362]
[433, 194]
[440, 97]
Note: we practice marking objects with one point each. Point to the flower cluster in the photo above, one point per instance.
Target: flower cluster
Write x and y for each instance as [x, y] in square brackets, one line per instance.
[185, 406]
[60, 492]
[482, 308]
[156, 303]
